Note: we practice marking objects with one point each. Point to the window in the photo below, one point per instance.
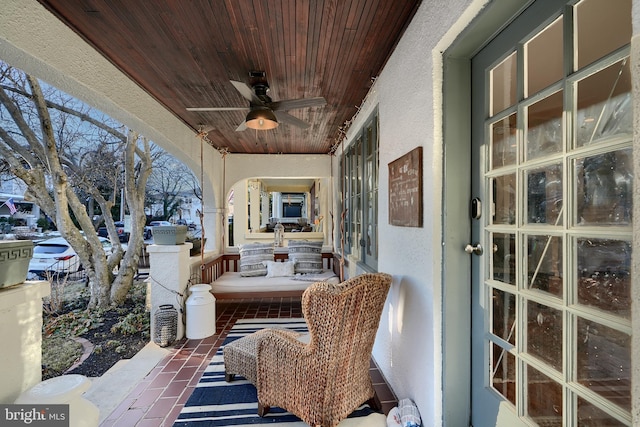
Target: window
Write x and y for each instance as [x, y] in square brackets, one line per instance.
[360, 170]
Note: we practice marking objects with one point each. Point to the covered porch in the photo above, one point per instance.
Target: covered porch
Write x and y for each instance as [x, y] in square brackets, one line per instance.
[160, 395]
[227, 169]
[418, 90]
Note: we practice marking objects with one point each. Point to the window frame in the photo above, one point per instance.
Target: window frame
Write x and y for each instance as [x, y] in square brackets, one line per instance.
[359, 186]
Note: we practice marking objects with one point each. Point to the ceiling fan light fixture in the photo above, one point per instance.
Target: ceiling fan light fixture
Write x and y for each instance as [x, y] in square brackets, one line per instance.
[261, 119]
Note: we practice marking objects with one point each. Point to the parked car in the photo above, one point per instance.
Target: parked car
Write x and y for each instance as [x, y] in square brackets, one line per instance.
[122, 235]
[56, 256]
[148, 230]
[190, 225]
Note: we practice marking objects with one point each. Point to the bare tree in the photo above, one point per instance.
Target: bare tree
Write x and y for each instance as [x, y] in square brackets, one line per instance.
[66, 155]
[169, 182]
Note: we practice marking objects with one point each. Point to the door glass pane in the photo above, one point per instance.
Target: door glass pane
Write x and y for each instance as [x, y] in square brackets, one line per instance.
[558, 145]
[544, 195]
[503, 84]
[544, 264]
[604, 362]
[544, 127]
[504, 199]
[543, 57]
[504, 257]
[371, 193]
[615, 22]
[590, 415]
[544, 334]
[503, 142]
[604, 188]
[357, 226]
[604, 104]
[357, 198]
[372, 241]
[503, 315]
[544, 404]
[357, 158]
[503, 378]
[603, 272]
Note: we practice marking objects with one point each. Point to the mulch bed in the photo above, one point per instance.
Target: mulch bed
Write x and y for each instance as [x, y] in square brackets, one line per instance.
[109, 347]
[106, 347]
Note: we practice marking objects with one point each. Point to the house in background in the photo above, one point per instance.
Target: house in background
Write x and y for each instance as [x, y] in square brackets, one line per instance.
[27, 214]
[489, 167]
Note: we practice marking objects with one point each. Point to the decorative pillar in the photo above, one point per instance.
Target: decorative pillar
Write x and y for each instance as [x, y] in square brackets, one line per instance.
[213, 233]
[277, 205]
[254, 201]
[35, 212]
[264, 200]
[169, 275]
[21, 335]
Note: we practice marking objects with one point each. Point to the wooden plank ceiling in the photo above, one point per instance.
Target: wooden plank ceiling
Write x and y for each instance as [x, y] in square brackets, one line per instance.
[185, 52]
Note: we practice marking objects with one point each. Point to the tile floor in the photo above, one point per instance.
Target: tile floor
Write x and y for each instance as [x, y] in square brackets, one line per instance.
[157, 400]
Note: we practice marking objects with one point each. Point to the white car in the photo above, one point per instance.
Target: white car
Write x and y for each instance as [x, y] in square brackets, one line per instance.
[56, 256]
[148, 230]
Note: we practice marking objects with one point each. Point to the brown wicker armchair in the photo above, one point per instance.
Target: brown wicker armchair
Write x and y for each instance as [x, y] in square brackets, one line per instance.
[323, 378]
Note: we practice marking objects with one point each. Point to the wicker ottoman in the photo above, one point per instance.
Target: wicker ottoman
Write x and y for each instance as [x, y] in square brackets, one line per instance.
[240, 358]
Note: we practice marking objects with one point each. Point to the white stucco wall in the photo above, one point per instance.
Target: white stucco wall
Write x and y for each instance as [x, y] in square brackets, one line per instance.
[21, 333]
[241, 167]
[246, 166]
[408, 95]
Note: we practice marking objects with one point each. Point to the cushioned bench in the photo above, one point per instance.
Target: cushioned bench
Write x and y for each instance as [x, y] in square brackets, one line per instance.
[232, 281]
[223, 274]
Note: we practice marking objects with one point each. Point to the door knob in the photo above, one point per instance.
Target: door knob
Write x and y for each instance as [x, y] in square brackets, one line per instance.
[474, 249]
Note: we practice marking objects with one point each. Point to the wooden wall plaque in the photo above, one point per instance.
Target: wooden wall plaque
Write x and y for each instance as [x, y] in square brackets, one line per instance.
[405, 190]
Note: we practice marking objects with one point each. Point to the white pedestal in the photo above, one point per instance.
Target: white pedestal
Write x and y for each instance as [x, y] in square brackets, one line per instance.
[21, 336]
[169, 274]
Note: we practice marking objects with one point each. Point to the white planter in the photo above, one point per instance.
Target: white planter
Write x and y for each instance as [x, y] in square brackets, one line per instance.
[14, 261]
[169, 234]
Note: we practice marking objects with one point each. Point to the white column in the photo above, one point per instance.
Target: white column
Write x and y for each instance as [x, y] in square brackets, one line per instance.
[213, 233]
[324, 197]
[277, 205]
[169, 274]
[264, 200]
[254, 199]
[21, 335]
[35, 212]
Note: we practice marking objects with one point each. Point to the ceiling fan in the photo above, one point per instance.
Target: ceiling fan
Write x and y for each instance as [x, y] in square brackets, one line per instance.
[264, 113]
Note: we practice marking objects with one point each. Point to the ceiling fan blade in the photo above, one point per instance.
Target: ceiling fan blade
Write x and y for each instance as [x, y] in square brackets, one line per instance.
[217, 108]
[289, 119]
[247, 92]
[242, 126]
[291, 104]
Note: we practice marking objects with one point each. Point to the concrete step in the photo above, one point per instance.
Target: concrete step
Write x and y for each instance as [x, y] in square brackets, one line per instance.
[109, 390]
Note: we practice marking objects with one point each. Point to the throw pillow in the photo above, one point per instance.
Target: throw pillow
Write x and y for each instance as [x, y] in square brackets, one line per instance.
[251, 257]
[307, 256]
[280, 269]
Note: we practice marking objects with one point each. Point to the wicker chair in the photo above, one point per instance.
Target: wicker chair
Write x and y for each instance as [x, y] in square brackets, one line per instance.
[325, 377]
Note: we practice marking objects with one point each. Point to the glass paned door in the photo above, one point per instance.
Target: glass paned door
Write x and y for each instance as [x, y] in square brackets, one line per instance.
[551, 332]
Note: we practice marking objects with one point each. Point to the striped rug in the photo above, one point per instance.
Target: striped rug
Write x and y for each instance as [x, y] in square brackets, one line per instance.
[215, 402]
